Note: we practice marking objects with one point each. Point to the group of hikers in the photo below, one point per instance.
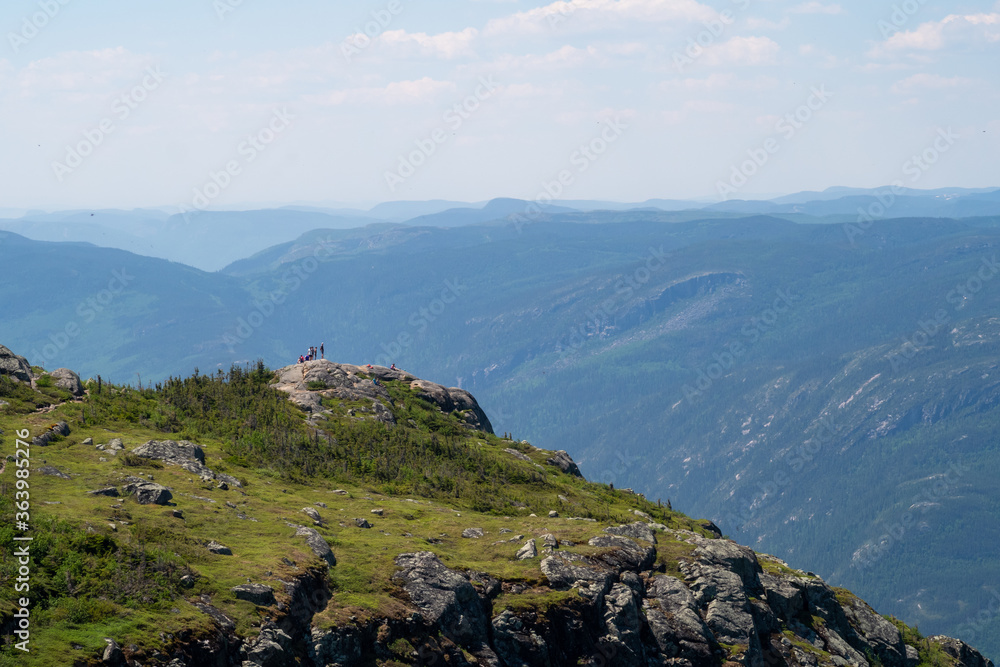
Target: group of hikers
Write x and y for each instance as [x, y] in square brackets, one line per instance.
[375, 379]
[313, 354]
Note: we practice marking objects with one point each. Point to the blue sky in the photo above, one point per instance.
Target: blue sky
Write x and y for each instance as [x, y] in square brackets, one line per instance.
[223, 103]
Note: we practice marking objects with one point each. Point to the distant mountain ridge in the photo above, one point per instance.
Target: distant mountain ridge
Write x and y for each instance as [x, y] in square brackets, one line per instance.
[657, 350]
[211, 240]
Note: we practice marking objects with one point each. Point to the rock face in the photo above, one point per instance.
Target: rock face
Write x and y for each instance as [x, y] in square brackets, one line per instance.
[258, 594]
[307, 383]
[14, 366]
[67, 380]
[717, 604]
[563, 461]
[723, 608]
[318, 545]
[448, 600]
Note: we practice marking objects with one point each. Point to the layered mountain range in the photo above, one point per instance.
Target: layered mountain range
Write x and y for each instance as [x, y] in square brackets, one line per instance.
[824, 392]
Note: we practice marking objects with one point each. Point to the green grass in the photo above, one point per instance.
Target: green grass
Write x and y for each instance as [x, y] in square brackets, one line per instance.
[431, 480]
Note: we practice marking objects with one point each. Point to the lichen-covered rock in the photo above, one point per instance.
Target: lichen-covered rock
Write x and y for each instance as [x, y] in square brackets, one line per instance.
[516, 644]
[14, 366]
[624, 624]
[308, 383]
[963, 654]
[67, 380]
[52, 433]
[220, 549]
[52, 471]
[472, 533]
[313, 514]
[258, 594]
[444, 597]
[185, 454]
[563, 574]
[676, 623]
[272, 648]
[562, 460]
[336, 646]
[528, 551]
[148, 493]
[635, 531]
[319, 546]
[624, 554]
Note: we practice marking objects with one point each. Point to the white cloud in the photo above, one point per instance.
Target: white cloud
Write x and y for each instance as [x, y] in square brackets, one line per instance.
[742, 51]
[917, 82]
[443, 45]
[722, 82]
[88, 73]
[598, 14]
[563, 58]
[814, 7]
[395, 93]
[966, 30]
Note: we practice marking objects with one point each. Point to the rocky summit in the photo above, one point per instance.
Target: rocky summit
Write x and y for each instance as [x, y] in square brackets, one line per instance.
[308, 383]
[334, 515]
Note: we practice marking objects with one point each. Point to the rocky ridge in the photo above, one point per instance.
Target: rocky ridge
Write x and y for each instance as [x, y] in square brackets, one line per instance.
[308, 383]
[639, 593]
[726, 605]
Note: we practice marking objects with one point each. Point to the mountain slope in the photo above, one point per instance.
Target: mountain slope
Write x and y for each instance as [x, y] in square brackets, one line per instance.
[151, 551]
[646, 347]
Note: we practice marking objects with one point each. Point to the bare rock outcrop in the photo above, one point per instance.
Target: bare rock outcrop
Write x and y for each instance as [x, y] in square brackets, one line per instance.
[308, 383]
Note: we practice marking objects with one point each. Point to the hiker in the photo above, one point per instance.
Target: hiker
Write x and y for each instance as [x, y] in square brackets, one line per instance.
[301, 358]
[394, 367]
[375, 381]
[322, 353]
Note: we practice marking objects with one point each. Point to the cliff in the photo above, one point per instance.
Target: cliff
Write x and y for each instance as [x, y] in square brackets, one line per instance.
[313, 516]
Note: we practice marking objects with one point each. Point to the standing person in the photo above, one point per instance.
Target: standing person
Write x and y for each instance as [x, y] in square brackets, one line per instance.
[322, 351]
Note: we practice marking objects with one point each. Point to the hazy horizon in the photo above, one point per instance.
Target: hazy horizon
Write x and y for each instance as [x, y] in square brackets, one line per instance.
[623, 100]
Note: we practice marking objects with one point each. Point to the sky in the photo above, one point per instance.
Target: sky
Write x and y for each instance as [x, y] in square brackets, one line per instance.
[227, 103]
